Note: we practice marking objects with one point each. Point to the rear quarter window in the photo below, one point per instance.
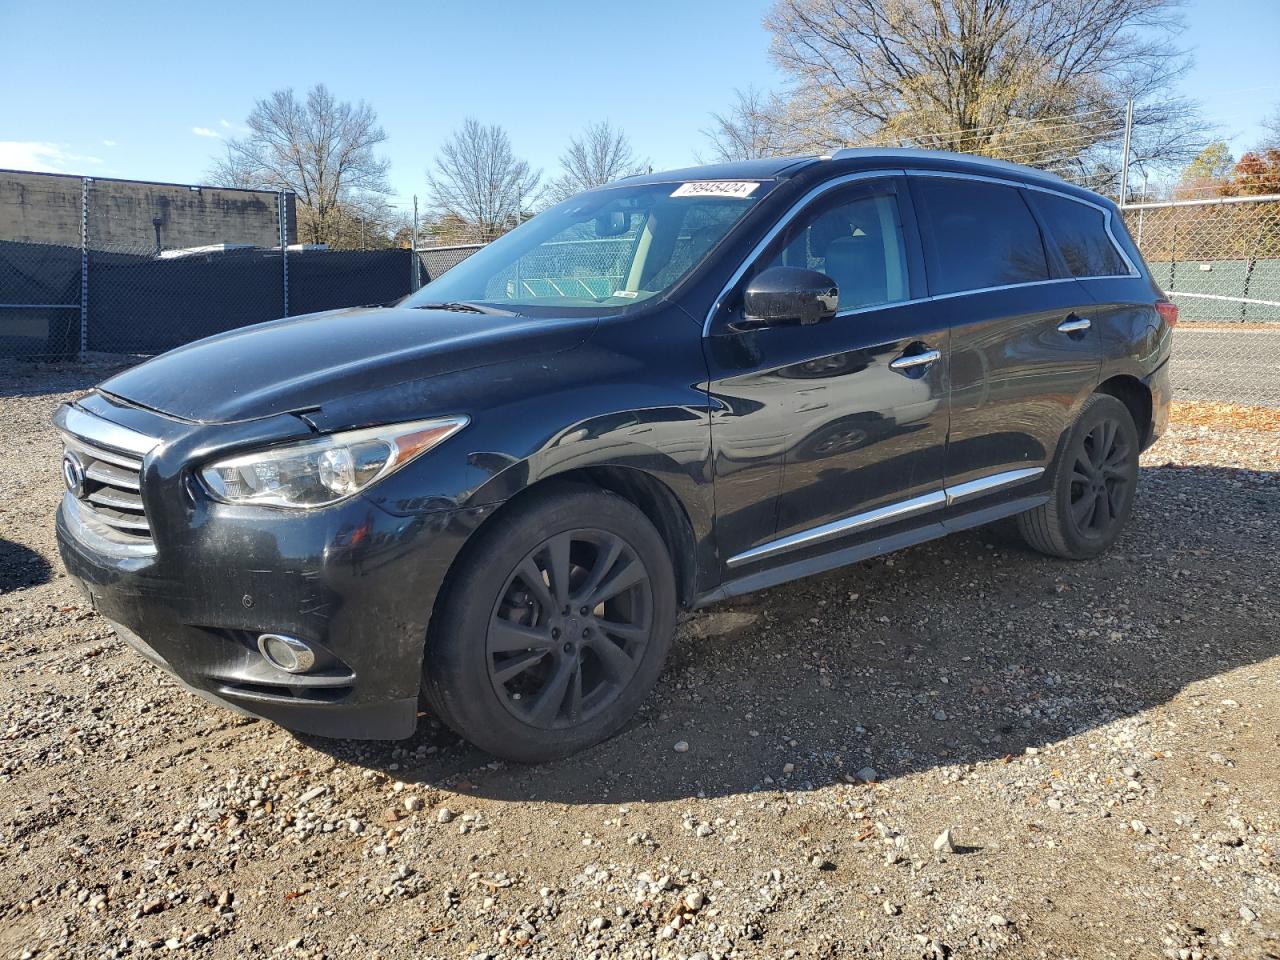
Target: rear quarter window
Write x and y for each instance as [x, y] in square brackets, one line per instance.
[980, 235]
[1080, 232]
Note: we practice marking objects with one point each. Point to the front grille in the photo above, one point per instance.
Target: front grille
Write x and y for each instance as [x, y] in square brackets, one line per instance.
[103, 471]
[112, 488]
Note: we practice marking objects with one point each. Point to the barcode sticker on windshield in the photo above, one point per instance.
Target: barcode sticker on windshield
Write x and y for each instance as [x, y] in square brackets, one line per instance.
[716, 188]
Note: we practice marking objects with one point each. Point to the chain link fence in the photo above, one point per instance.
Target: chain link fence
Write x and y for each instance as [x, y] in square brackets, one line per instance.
[434, 261]
[116, 296]
[62, 304]
[1219, 260]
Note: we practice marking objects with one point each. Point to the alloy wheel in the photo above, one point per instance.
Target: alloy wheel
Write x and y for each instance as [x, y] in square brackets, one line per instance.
[1102, 479]
[569, 629]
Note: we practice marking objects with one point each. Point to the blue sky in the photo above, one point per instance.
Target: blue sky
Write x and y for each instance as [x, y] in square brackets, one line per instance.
[145, 90]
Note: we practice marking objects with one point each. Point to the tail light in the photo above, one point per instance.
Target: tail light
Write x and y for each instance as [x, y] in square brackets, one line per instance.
[1168, 311]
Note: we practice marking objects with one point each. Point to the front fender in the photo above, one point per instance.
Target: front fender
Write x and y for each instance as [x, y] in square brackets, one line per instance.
[628, 398]
[669, 445]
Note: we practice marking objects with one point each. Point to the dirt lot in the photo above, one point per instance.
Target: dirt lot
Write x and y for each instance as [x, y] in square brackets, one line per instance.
[1101, 740]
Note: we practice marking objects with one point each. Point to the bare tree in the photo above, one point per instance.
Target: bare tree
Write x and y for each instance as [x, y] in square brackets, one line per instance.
[601, 155]
[746, 131]
[1040, 81]
[1271, 127]
[320, 149]
[479, 182]
[366, 226]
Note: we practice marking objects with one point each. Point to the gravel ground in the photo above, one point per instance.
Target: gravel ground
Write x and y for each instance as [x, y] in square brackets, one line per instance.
[961, 750]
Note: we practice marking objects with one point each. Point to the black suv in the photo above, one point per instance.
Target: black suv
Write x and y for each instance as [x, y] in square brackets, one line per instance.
[495, 495]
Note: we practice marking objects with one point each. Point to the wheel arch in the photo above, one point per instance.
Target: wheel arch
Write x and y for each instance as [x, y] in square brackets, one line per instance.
[1136, 397]
[649, 494]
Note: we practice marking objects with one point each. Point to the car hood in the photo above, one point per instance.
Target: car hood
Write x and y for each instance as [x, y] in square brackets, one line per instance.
[300, 363]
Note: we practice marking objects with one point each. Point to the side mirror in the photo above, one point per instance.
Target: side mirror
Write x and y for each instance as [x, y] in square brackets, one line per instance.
[789, 295]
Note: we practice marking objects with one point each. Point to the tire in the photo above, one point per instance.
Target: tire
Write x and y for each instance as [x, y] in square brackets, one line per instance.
[1094, 480]
[520, 661]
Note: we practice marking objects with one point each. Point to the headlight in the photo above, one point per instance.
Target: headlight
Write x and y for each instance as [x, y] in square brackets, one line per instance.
[319, 472]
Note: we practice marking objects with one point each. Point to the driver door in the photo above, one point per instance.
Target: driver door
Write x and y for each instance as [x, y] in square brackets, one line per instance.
[831, 432]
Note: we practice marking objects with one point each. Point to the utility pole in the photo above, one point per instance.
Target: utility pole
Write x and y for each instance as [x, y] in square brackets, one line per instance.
[284, 250]
[1124, 160]
[1145, 198]
[415, 278]
[86, 185]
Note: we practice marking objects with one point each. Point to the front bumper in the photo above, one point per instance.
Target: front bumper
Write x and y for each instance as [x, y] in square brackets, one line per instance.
[355, 582]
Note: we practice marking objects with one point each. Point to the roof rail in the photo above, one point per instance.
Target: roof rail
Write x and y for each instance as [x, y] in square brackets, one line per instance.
[912, 153]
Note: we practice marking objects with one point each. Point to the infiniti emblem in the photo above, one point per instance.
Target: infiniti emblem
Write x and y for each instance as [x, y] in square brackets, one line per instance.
[73, 474]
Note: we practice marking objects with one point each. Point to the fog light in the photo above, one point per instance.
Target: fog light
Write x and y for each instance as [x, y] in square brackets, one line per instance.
[288, 653]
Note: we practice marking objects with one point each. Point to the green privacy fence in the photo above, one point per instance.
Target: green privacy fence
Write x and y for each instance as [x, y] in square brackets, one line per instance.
[1223, 291]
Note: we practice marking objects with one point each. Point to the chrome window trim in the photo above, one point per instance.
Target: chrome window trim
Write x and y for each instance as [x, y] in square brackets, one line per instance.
[798, 207]
[921, 153]
[947, 496]
[1134, 272]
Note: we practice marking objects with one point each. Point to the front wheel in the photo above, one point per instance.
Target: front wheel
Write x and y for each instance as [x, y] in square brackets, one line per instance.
[555, 627]
[1094, 482]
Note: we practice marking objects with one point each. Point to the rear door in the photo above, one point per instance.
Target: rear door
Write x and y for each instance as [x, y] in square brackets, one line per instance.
[1023, 345]
[1131, 334]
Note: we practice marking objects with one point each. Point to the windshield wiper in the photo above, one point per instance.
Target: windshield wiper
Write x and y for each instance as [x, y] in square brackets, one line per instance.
[465, 306]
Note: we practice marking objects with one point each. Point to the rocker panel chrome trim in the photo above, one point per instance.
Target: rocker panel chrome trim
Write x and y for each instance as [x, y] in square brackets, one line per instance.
[893, 511]
[974, 488]
[858, 521]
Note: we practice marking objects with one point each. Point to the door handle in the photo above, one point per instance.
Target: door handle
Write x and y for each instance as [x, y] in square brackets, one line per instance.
[909, 361]
[1074, 324]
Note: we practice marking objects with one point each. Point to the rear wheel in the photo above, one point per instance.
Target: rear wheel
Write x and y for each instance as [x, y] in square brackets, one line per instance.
[1094, 482]
[555, 628]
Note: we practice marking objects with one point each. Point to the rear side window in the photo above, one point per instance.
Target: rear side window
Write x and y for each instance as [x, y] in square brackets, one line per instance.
[979, 235]
[1080, 232]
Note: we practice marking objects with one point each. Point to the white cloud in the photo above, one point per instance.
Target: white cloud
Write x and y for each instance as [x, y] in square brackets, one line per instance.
[110, 143]
[206, 132]
[41, 156]
[224, 123]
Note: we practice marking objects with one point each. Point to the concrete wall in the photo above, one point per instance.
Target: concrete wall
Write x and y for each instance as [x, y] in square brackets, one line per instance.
[46, 208]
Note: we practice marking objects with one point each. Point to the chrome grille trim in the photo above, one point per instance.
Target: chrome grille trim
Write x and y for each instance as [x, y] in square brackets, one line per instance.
[116, 499]
[102, 433]
[112, 458]
[113, 475]
[101, 455]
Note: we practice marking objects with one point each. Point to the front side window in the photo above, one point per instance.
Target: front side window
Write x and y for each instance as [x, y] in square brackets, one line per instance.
[610, 248]
[978, 235]
[855, 237]
[1080, 232]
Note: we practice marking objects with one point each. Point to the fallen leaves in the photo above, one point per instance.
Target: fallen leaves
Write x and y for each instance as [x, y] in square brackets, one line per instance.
[1230, 416]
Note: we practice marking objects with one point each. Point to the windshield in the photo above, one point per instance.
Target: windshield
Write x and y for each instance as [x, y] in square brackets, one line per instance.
[608, 248]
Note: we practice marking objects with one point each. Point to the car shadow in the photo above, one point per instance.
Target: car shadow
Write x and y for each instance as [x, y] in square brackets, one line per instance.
[960, 651]
[21, 567]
